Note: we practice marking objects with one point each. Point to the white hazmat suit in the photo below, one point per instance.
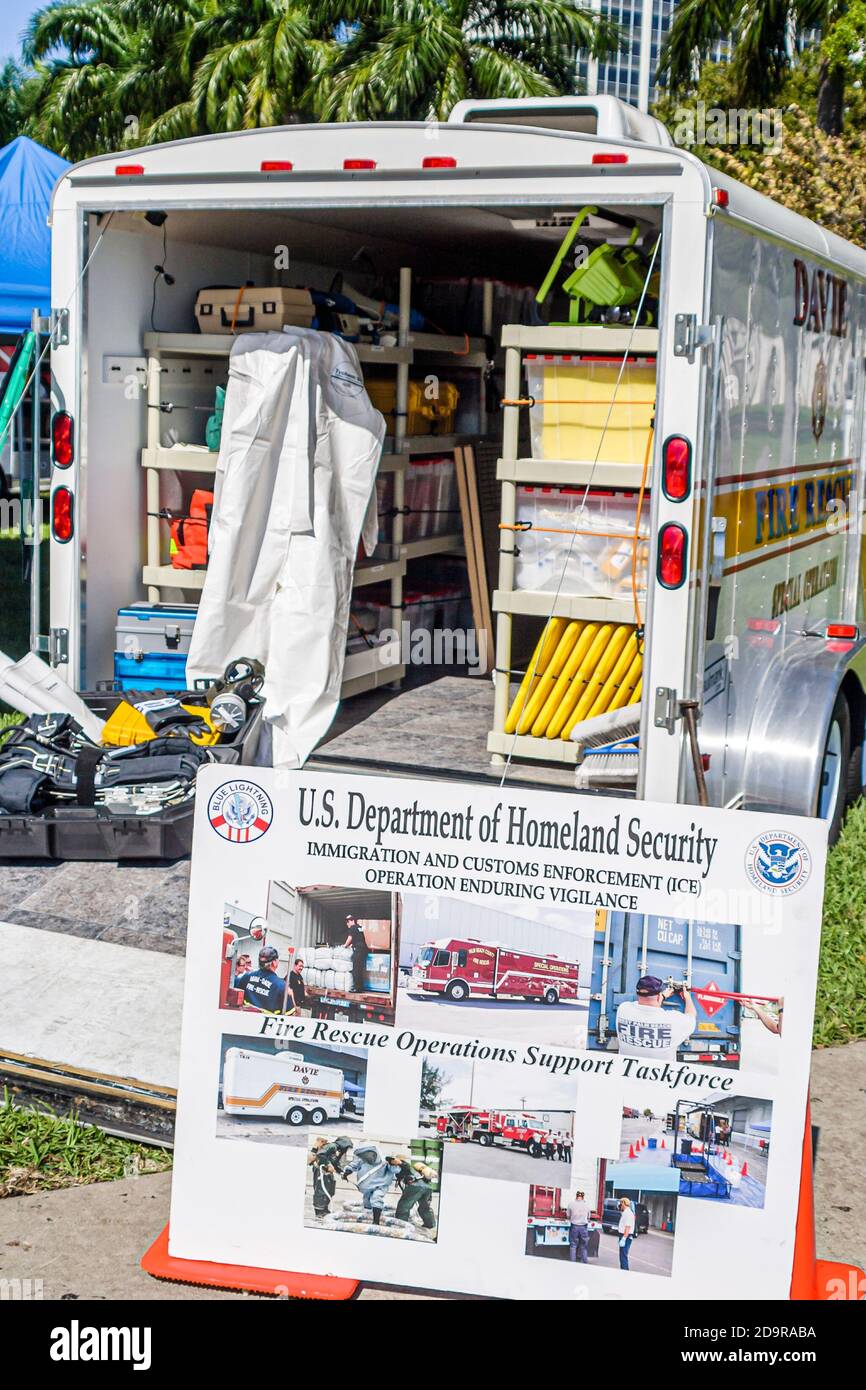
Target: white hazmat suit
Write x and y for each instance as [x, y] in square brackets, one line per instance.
[295, 489]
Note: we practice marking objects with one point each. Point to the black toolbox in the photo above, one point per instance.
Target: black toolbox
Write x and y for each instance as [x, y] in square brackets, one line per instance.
[91, 832]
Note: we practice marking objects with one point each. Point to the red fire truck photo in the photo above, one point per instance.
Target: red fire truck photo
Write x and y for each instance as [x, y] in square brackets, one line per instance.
[458, 969]
[512, 1129]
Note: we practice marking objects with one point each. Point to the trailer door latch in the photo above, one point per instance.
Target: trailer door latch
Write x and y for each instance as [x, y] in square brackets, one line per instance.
[666, 710]
[59, 327]
[690, 336]
[58, 646]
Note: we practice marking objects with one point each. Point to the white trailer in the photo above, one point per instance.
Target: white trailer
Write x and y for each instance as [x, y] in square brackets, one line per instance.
[754, 601]
[282, 1086]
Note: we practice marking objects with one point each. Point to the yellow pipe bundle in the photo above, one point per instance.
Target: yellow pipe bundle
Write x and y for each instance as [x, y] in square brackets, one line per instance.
[578, 669]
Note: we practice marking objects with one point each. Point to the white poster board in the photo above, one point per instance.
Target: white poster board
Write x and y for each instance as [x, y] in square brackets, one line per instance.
[510, 998]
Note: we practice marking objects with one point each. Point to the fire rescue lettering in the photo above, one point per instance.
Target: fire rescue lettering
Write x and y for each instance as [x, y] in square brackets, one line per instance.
[797, 507]
[820, 301]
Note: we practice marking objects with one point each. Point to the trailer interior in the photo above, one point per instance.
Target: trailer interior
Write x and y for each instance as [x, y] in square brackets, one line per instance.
[142, 449]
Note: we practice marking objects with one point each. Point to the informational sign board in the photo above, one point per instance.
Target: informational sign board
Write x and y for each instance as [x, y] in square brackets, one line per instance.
[495, 1041]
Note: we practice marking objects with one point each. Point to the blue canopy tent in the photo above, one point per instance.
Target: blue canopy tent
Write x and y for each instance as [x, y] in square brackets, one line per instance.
[28, 173]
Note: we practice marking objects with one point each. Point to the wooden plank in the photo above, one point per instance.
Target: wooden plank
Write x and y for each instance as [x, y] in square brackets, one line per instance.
[477, 542]
[468, 543]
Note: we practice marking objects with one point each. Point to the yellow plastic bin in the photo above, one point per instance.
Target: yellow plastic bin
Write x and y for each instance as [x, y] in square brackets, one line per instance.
[426, 415]
[574, 418]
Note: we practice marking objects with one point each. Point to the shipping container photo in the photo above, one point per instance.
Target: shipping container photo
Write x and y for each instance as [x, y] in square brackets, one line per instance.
[345, 944]
[735, 1013]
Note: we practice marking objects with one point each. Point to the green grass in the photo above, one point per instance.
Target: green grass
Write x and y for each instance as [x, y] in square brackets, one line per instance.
[15, 595]
[40, 1151]
[840, 1014]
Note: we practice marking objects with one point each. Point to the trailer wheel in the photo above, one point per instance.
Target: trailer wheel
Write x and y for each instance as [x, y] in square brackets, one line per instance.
[456, 991]
[551, 996]
[318, 1116]
[296, 1116]
[833, 781]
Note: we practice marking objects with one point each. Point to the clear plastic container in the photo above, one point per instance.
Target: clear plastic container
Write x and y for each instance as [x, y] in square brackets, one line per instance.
[580, 542]
[583, 414]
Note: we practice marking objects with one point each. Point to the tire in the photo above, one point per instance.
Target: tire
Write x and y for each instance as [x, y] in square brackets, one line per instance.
[857, 760]
[295, 1116]
[318, 1116]
[534, 1150]
[551, 996]
[485, 1139]
[456, 991]
[835, 769]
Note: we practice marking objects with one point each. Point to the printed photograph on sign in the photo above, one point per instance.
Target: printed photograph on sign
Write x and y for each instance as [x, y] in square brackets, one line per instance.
[665, 989]
[274, 1092]
[492, 1126]
[601, 1221]
[373, 1186]
[319, 951]
[719, 1148]
[520, 974]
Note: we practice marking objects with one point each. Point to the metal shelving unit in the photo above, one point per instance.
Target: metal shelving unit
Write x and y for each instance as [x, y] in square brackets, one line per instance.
[364, 670]
[513, 469]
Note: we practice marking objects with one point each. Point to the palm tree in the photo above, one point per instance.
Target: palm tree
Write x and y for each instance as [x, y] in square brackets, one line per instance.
[245, 63]
[413, 59]
[10, 102]
[104, 70]
[114, 72]
[766, 35]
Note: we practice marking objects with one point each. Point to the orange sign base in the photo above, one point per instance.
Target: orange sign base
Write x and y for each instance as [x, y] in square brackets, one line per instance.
[812, 1280]
[280, 1282]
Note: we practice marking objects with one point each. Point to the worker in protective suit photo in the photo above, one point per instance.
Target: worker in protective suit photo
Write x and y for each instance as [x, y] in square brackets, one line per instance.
[399, 1192]
[375, 1176]
[326, 1158]
[416, 1182]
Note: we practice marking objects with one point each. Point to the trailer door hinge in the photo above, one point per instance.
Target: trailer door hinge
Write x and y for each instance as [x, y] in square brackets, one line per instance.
[59, 327]
[666, 711]
[58, 646]
[690, 336]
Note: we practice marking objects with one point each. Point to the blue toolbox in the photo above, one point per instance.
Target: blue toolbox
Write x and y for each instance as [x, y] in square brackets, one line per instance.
[151, 645]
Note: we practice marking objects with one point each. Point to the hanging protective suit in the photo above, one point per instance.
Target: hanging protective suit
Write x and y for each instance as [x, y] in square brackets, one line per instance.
[295, 488]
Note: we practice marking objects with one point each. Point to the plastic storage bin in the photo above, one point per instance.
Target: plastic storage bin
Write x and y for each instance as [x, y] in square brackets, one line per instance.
[575, 419]
[430, 495]
[425, 415]
[580, 542]
[151, 643]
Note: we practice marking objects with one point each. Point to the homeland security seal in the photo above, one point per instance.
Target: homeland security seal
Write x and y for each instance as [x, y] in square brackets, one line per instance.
[778, 863]
[240, 812]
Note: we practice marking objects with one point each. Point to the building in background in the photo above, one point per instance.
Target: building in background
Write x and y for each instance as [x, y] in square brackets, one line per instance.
[630, 75]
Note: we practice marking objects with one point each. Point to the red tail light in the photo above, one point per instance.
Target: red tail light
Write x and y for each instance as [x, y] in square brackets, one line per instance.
[62, 439]
[846, 631]
[677, 471]
[439, 161]
[62, 516]
[125, 171]
[672, 556]
[359, 163]
[275, 166]
[721, 197]
[610, 159]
